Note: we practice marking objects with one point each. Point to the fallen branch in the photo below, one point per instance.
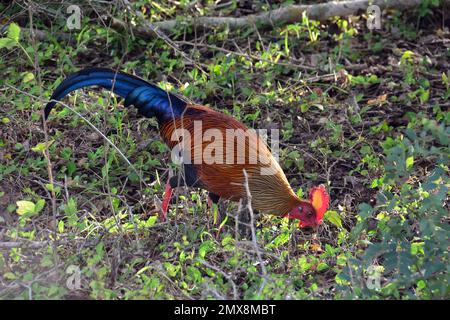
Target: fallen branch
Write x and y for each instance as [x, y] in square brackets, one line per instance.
[24, 244]
[280, 16]
[40, 35]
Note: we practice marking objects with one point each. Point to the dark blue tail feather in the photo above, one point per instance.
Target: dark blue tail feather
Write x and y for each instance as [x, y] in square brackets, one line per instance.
[150, 100]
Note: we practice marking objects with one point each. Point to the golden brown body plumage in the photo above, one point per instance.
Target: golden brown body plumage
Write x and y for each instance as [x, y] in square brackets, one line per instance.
[271, 193]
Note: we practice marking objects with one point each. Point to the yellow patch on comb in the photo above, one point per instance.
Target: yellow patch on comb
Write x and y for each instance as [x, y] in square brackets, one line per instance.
[319, 199]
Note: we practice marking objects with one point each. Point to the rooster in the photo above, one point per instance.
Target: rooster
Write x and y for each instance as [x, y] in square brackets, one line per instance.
[244, 175]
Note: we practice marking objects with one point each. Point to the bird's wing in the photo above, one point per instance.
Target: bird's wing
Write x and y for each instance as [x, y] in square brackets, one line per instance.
[219, 171]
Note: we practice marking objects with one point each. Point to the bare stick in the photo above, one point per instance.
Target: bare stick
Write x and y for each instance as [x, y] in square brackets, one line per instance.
[25, 244]
[252, 227]
[284, 15]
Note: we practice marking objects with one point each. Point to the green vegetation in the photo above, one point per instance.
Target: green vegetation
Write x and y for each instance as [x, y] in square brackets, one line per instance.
[364, 112]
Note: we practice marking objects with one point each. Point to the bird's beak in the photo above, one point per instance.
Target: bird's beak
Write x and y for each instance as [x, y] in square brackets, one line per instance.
[316, 228]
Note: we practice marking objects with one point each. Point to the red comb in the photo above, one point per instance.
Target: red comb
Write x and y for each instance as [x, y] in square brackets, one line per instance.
[320, 200]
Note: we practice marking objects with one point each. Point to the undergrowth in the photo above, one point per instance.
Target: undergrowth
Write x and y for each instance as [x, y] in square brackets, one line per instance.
[364, 112]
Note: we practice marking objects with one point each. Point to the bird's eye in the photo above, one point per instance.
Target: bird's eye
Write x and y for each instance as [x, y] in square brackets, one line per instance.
[300, 209]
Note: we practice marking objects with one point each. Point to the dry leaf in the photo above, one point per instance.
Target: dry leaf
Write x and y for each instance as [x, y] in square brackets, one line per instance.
[378, 100]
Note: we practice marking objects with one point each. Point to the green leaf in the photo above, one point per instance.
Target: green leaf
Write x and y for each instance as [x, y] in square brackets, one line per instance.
[205, 247]
[142, 270]
[365, 210]
[71, 168]
[10, 276]
[7, 43]
[445, 79]
[40, 204]
[281, 239]
[304, 107]
[424, 96]
[28, 76]
[409, 162]
[14, 32]
[24, 207]
[407, 55]
[71, 207]
[40, 147]
[61, 226]
[171, 269]
[334, 218]
[194, 273]
[151, 221]
[421, 285]
[322, 266]
[215, 213]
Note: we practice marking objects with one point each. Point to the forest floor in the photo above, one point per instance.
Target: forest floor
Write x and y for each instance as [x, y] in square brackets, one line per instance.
[363, 112]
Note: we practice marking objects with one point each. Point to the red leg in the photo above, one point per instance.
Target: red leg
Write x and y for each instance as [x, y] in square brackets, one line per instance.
[165, 202]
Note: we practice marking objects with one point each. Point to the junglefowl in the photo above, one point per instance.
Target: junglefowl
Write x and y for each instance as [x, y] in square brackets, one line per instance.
[234, 179]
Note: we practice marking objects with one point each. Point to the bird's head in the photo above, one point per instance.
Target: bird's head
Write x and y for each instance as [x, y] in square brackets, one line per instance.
[310, 212]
